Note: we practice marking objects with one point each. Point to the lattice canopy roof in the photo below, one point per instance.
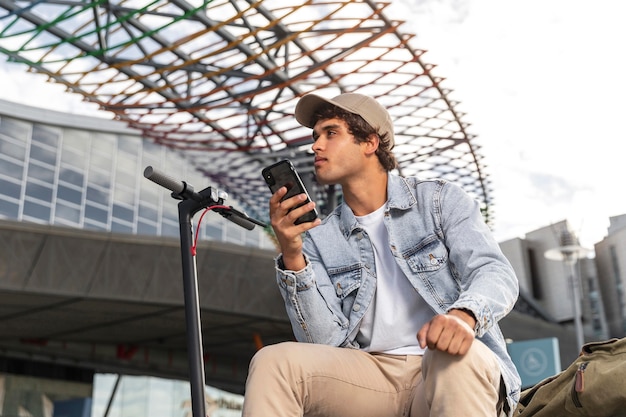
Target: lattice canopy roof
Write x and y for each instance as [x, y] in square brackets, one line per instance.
[218, 80]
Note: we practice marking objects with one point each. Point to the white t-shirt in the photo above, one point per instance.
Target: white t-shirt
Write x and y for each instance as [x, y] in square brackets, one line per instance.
[397, 312]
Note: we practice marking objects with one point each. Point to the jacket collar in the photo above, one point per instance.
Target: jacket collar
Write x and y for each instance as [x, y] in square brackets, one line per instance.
[399, 196]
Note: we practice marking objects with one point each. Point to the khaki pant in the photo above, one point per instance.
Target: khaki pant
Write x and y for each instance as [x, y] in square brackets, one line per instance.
[301, 379]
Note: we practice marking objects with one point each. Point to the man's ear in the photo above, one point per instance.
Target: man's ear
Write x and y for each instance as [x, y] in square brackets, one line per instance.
[372, 143]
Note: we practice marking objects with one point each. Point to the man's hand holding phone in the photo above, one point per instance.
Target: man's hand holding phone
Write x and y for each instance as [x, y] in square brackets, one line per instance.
[291, 211]
[283, 215]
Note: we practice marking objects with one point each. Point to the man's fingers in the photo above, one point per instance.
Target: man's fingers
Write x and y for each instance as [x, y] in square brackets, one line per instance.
[277, 196]
[283, 207]
[446, 333]
[431, 333]
[422, 334]
[299, 211]
[457, 345]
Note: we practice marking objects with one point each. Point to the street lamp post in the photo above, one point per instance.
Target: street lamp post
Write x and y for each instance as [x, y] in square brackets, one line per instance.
[570, 252]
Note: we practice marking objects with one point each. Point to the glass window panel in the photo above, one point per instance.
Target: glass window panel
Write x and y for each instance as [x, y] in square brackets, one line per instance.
[39, 191]
[148, 212]
[152, 148]
[149, 194]
[98, 195]
[101, 160]
[76, 139]
[170, 229]
[127, 172]
[37, 210]
[129, 144]
[118, 227]
[123, 194]
[74, 159]
[45, 135]
[123, 213]
[13, 149]
[149, 229]
[234, 233]
[70, 194]
[68, 213]
[102, 143]
[96, 213]
[250, 240]
[127, 164]
[14, 128]
[11, 169]
[43, 154]
[126, 178]
[170, 212]
[92, 225]
[101, 178]
[213, 232]
[43, 174]
[9, 209]
[71, 176]
[10, 189]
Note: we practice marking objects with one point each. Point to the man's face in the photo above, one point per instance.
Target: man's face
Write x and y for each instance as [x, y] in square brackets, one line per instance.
[338, 156]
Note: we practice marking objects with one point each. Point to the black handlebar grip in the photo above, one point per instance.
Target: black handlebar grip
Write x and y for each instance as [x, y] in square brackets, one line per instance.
[164, 180]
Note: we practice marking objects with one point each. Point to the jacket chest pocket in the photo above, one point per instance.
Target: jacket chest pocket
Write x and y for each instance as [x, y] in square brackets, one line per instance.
[429, 263]
[428, 256]
[346, 279]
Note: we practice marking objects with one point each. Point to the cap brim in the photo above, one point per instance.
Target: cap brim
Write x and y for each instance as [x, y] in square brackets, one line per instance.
[306, 107]
[309, 104]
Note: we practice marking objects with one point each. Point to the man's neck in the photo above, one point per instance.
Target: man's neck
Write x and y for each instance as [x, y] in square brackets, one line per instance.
[366, 194]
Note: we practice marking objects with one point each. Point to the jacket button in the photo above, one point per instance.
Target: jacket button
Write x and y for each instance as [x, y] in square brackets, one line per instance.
[356, 307]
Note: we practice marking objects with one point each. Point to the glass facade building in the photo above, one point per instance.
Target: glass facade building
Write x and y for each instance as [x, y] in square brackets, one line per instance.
[85, 172]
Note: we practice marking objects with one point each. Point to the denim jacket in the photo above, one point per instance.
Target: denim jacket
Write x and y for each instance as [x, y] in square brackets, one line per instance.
[439, 239]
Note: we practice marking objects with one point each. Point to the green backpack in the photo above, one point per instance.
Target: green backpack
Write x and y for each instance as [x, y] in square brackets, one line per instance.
[593, 385]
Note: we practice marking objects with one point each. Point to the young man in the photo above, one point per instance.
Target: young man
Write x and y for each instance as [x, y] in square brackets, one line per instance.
[394, 298]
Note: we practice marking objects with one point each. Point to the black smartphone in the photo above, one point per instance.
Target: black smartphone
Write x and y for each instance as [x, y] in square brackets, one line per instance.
[284, 174]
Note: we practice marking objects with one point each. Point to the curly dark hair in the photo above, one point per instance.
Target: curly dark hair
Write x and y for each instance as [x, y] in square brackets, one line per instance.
[360, 129]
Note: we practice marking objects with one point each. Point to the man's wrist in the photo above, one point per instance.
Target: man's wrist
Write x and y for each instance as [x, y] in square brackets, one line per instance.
[466, 315]
[294, 262]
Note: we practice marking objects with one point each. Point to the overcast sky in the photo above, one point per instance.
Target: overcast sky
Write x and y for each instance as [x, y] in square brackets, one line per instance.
[543, 86]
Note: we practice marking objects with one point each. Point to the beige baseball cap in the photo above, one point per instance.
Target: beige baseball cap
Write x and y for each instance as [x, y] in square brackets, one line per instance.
[369, 109]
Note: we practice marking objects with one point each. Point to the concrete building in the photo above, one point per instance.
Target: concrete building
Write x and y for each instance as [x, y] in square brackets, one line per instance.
[611, 264]
[549, 282]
